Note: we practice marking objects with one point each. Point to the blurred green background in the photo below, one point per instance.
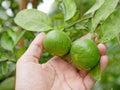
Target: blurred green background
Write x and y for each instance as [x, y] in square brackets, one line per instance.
[14, 41]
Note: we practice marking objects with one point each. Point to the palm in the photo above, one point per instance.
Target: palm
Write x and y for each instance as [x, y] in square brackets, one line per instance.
[56, 74]
[67, 77]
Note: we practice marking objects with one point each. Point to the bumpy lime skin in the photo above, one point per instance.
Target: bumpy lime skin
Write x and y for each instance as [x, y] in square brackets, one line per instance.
[84, 54]
[57, 43]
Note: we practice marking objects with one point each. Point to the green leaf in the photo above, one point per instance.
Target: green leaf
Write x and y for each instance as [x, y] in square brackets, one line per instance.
[12, 34]
[3, 56]
[19, 36]
[96, 72]
[103, 12]
[15, 36]
[111, 27]
[12, 67]
[3, 69]
[68, 8]
[95, 7]
[6, 42]
[8, 84]
[29, 35]
[75, 18]
[33, 20]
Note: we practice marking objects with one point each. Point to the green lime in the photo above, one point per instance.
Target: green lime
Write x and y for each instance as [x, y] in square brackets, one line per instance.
[84, 54]
[57, 43]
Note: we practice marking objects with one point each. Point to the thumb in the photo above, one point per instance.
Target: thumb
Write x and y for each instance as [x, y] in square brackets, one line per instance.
[34, 51]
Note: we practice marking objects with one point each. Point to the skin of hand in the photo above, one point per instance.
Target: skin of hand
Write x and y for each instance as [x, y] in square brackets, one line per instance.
[56, 74]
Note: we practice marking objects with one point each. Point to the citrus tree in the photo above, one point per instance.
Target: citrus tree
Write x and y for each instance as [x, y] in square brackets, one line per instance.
[64, 25]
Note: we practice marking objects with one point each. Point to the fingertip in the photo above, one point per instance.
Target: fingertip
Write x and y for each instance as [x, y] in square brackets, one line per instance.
[39, 39]
[102, 48]
[42, 34]
[103, 62]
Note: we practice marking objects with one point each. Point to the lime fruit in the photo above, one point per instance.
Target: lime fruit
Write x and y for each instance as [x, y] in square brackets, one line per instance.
[84, 54]
[57, 43]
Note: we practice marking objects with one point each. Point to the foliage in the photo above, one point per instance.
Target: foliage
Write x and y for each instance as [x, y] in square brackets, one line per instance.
[38, 21]
[76, 18]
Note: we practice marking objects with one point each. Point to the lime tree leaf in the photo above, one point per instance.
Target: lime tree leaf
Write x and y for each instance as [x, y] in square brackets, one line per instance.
[95, 7]
[12, 67]
[103, 12]
[8, 84]
[68, 8]
[96, 72]
[3, 56]
[3, 69]
[33, 20]
[29, 35]
[111, 27]
[75, 18]
[15, 36]
[6, 42]
[19, 36]
[12, 34]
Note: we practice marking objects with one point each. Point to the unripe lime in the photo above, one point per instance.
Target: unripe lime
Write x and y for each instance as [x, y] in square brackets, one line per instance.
[57, 43]
[84, 54]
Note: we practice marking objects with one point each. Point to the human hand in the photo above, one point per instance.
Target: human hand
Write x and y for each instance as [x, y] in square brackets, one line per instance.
[56, 74]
